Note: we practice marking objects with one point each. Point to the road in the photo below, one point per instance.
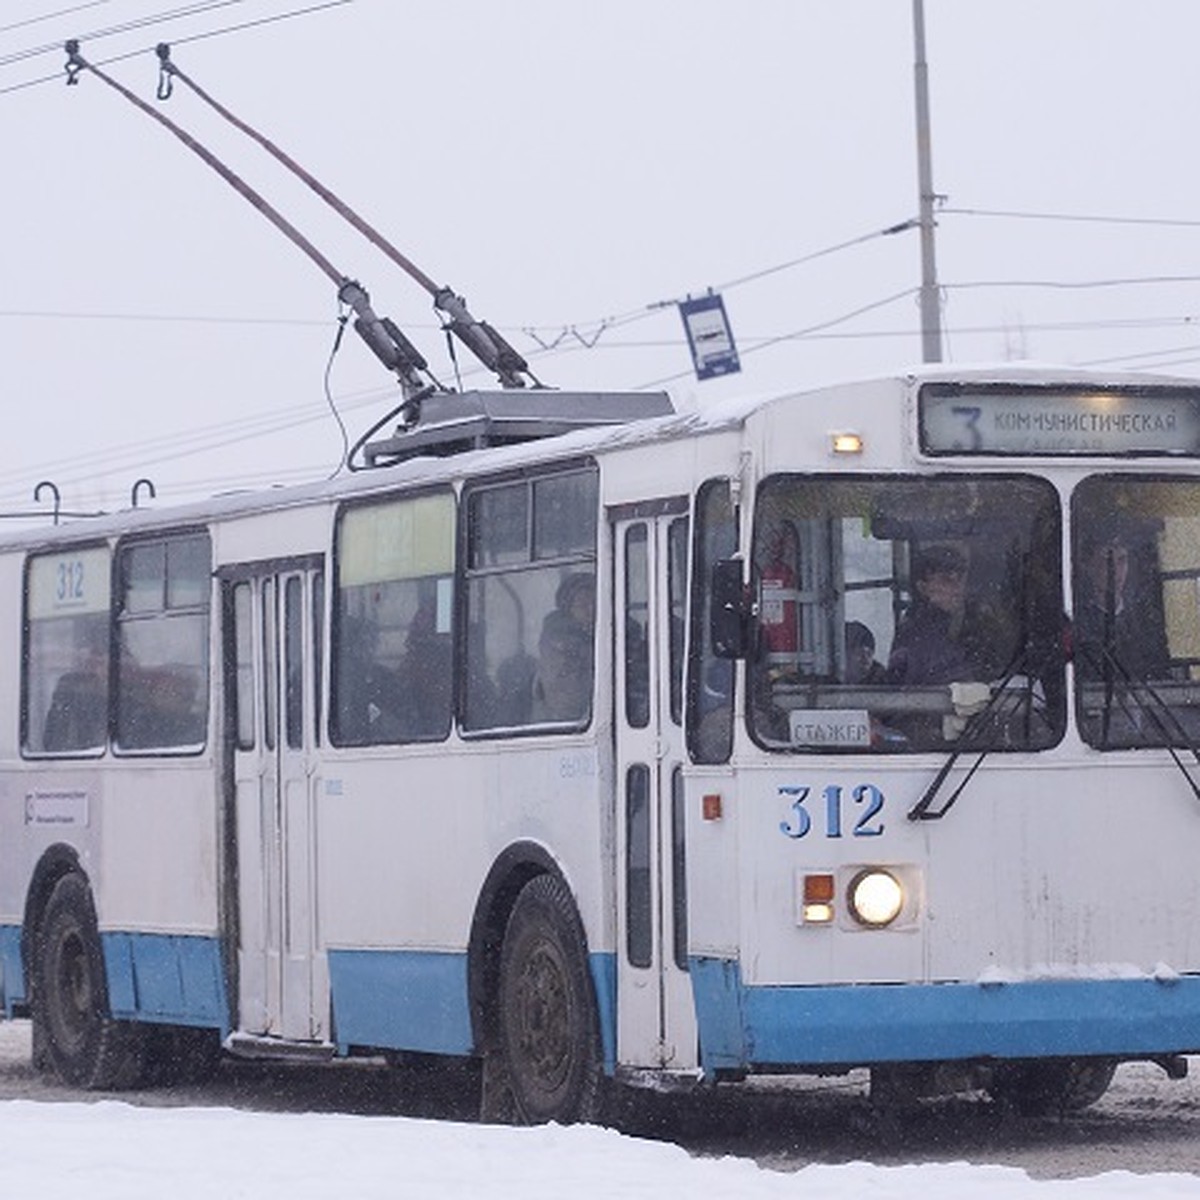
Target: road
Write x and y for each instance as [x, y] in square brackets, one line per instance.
[1145, 1123]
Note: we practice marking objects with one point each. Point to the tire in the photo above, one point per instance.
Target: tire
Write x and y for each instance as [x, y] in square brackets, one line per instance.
[81, 1042]
[548, 1034]
[1042, 1088]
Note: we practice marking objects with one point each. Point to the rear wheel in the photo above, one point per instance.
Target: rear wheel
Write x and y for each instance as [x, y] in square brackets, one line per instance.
[1039, 1088]
[76, 1033]
[548, 1037]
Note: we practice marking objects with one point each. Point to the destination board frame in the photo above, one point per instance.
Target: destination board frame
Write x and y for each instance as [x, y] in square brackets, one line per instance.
[1013, 420]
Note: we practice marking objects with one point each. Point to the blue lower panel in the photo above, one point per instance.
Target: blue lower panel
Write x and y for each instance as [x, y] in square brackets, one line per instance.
[604, 980]
[167, 978]
[400, 1000]
[417, 1000]
[744, 1026]
[12, 973]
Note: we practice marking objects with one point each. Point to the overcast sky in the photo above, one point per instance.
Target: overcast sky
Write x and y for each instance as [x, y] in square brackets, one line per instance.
[566, 164]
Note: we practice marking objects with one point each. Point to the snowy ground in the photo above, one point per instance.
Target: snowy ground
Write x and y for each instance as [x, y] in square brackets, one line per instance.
[356, 1132]
[114, 1151]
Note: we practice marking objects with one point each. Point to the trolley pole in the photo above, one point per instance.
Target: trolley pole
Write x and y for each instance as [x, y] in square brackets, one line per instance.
[931, 314]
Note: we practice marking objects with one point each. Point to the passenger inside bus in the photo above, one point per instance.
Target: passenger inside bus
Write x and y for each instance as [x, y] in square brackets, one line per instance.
[862, 667]
[77, 718]
[424, 678]
[1116, 628]
[562, 686]
[942, 638]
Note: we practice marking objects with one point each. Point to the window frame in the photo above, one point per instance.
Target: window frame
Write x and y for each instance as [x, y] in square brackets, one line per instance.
[469, 572]
[331, 585]
[96, 752]
[1057, 716]
[204, 609]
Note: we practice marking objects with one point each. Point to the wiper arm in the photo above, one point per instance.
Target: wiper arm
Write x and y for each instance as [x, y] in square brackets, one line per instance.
[923, 810]
[1140, 692]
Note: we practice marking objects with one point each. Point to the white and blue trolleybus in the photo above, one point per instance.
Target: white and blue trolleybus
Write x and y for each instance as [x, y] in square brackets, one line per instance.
[608, 745]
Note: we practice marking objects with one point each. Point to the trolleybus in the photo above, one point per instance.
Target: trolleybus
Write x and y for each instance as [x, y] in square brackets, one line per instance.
[608, 745]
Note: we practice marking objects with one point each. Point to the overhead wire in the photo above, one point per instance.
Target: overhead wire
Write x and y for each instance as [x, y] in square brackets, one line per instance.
[751, 345]
[800, 333]
[50, 16]
[195, 37]
[196, 8]
[1078, 218]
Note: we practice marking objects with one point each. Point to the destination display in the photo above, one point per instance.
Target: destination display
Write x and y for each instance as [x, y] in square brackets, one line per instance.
[1015, 421]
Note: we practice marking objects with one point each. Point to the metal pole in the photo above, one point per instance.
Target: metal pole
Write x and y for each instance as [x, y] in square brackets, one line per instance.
[931, 313]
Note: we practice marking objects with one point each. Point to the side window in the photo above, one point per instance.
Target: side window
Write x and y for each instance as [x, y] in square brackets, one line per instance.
[637, 620]
[162, 643]
[531, 600]
[243, 645]
[710, 679]
[393, 622]
[66, 661]
[677, 547]
[318, 641]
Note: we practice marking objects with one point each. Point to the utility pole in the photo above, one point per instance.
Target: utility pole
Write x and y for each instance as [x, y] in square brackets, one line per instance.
[931, 312]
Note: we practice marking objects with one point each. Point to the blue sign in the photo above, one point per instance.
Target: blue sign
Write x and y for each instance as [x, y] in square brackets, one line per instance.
[709, 337]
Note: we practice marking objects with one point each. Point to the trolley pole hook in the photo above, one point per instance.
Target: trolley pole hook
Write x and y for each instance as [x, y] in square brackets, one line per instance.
[75, 64]
[136, 491]
[37, 495]
[166, 72]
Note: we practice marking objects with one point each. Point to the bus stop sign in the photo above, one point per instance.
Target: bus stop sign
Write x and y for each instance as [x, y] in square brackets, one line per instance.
[709, 337]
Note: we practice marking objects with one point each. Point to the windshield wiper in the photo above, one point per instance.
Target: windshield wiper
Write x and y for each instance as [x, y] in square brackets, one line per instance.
[1141, 694]
[923, 810]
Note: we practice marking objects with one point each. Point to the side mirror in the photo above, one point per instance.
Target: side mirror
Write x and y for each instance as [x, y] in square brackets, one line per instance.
[729, 616]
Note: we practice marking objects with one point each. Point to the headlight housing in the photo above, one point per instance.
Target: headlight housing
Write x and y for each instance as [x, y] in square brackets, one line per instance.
[875, 897]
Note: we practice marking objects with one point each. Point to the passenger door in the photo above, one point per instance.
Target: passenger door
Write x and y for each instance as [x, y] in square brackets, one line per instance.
[274, 634]
[656, 1024]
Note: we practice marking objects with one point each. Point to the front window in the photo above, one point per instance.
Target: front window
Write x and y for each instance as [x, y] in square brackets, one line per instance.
[907, 614]
[1136, 612]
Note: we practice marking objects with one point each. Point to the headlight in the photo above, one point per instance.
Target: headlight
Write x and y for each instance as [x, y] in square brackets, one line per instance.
[875, 897]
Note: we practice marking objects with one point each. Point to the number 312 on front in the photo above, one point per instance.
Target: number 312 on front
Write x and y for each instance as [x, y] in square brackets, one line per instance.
[863, 806]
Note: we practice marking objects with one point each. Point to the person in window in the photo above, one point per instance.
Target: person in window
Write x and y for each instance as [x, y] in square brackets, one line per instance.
[942, 638]
[576, 597]
[77, 718]
[562, 687]
[1115, 626]
[861, 665]
[425, 677]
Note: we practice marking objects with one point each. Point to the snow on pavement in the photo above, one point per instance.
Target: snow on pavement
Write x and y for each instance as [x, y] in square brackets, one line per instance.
[113, 1151]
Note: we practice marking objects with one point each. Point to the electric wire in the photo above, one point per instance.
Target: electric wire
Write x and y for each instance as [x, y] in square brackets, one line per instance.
[50, 16]
[642, 312]
[799, 333]
[153, 451]
[179, 41]
[198, 8]
[343, 317]
[1069, 284]
[1077, 218]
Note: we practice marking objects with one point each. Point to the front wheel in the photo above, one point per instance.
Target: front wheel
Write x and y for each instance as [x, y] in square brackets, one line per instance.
[73, 1027]
[547, 1029]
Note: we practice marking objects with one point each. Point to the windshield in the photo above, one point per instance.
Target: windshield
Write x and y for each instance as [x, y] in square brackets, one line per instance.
[905, 614]
[1136, 619]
